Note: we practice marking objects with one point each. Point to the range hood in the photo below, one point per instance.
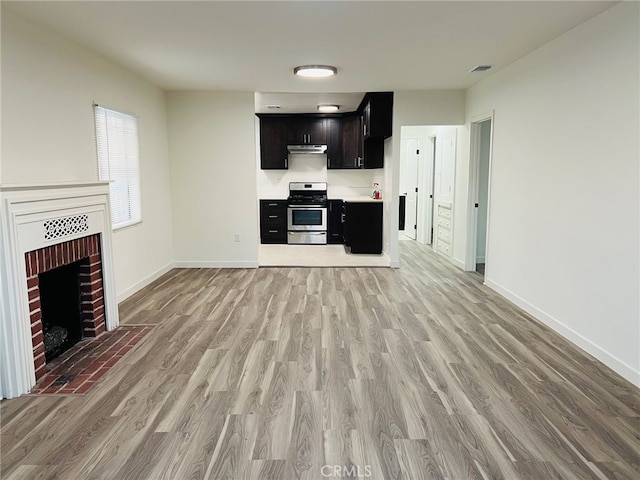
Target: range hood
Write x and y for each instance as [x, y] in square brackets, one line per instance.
[307, 148]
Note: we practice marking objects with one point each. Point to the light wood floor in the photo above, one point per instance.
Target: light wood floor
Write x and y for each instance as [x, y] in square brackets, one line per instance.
[316, 256]
[304, 373]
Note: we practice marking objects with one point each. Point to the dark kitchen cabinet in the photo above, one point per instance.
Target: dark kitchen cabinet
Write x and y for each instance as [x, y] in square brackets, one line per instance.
[373, 152]
[377, 114]
[351, 142]
[334, 142]
[273, 221]
[354, 139]
[273, 143]
[304, 130]
[363, 227]
[334, 221]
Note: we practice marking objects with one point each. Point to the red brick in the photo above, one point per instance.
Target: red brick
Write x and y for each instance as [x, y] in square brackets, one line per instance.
[95, 276]
[39, 360]
[36, 328]
[47, 259]
[46, 381]
[85, 387]
[33, 293]
[38, 349]
[34, 305]
[38, 338]
[79, 380]
[32, 282]
[111, 362]
[38, 265]
[27, 263]
[99, 374]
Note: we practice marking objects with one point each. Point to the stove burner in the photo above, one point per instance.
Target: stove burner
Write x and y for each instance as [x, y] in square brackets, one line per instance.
[308, 199]
[312, 194]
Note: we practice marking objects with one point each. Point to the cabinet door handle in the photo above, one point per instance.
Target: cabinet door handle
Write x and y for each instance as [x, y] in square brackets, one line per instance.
[273, 216]
[273, 231]
[273, 204]
[286, 162]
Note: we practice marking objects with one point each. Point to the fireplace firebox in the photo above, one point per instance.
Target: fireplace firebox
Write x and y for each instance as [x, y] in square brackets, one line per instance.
[60, 303]
[64, 282]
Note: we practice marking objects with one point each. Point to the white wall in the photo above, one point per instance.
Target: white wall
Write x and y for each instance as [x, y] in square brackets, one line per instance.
[483, 190]
[274, 184]
[564, 207]
[49, 85]
[213, 179]
[414, 108]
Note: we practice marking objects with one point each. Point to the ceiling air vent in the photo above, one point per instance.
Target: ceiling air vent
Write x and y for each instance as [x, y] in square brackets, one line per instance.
[481, 68]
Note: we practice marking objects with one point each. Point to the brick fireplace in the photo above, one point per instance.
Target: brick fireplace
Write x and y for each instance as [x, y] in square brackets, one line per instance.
[45, 229]
[86, 251]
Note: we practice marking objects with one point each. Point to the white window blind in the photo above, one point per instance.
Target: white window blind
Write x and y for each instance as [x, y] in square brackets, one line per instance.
[118, 162]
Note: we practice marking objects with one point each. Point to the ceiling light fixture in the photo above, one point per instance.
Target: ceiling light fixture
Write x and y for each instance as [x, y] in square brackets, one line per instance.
[315, 71]
[328, 108]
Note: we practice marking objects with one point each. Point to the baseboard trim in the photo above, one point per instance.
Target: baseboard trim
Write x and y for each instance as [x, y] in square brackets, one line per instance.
[395, 264]
[143, 283]
[457, 263]
[220, 264]
[617, 365]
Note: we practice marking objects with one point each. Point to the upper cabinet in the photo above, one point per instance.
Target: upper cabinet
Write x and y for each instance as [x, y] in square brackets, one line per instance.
[351, 142]
[354, 139]
[377, 114]
[303, 130]
[334, 142]
[273, 143]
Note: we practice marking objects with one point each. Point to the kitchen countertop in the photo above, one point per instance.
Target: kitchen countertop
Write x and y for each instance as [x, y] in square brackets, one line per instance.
[361, 199]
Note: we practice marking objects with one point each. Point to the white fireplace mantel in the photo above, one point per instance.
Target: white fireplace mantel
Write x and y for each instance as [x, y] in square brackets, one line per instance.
[23, 211]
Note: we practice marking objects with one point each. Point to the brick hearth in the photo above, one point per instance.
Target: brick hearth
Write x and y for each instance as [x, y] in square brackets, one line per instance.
[87, 251]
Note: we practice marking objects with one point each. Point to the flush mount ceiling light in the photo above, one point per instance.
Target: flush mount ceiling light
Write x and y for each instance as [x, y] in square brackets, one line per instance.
[328, 108]
[480, 68]
[315, 71]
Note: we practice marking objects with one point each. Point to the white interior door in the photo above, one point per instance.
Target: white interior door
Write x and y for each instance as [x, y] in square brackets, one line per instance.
[425, 202]
[412, 146]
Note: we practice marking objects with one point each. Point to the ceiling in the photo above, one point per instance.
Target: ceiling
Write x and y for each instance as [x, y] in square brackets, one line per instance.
[254, 46]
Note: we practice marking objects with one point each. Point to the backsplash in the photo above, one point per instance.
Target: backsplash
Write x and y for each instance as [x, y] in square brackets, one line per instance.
[313, 168]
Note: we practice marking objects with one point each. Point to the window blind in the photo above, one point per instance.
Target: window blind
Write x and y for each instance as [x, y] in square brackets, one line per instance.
[119, 163]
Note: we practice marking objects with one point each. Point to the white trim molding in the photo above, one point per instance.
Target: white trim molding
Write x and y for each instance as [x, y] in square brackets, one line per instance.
[24, 211]
[218, 264]
[617, 365]
[144, 282]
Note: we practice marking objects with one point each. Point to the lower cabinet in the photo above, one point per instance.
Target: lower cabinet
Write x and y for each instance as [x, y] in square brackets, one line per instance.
[273, 221]
[334, 221]
[363, 227]
[443, 233]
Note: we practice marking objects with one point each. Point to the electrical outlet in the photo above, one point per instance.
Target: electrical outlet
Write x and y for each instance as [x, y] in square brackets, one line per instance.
[237, 237]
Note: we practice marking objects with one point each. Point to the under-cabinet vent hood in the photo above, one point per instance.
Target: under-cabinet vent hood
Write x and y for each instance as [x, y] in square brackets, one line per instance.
[307, 148]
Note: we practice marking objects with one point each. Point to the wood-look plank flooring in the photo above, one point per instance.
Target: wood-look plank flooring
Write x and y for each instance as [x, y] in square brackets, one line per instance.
[312, 373]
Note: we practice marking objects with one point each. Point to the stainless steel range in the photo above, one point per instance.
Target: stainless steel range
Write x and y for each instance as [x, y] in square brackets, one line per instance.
[307, 213]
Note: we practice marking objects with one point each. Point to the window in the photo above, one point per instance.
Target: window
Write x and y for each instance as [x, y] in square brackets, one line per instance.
[118, 162]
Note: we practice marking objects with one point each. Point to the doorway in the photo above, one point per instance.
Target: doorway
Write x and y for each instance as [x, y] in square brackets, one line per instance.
[409, 180]
[479, 198]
